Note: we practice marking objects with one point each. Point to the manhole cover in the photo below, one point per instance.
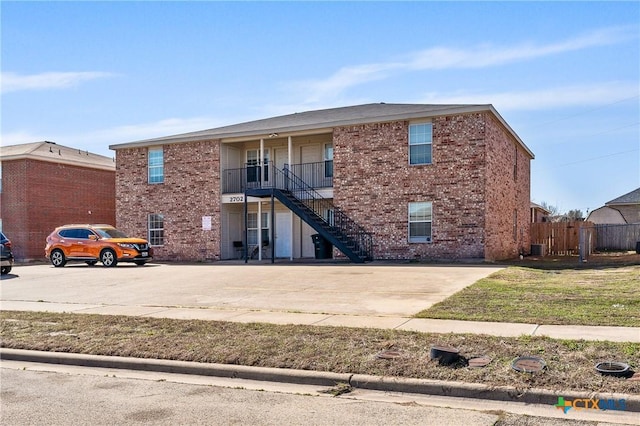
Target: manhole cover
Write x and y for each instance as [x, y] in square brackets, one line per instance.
[479, 361]
[444, 354]
[389, 354]
[528, 364]
[613, 368]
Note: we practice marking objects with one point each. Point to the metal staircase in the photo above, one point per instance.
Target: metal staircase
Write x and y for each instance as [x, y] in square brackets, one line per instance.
[318, 212]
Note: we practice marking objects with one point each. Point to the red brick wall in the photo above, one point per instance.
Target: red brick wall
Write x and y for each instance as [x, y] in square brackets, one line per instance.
[374, 183]
[191, 190]
[506, 194]
[38, 196]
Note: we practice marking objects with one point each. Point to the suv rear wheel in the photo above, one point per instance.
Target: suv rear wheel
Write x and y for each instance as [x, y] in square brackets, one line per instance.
[57, 258]
[108, 258]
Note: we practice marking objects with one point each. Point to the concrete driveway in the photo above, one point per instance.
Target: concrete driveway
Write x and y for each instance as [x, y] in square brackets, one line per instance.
[374, 289]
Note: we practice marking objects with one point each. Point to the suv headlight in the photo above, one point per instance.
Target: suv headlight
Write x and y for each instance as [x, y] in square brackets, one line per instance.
[126, 245]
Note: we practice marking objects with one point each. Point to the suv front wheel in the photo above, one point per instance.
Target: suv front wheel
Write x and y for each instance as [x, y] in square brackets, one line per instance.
[57, 258]
[108, 258]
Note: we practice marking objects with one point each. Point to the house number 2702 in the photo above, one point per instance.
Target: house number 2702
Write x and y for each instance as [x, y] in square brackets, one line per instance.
[237, 199]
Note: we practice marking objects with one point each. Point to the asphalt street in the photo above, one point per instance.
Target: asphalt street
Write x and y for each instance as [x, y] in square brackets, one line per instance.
[51, 394]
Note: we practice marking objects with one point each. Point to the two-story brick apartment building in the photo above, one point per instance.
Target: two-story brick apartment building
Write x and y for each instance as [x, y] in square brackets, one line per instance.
[383, 181]
[45, 185]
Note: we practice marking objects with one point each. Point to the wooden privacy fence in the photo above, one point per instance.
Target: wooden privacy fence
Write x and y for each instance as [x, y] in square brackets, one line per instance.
[617, 237]
[568, 238]
[562, 238]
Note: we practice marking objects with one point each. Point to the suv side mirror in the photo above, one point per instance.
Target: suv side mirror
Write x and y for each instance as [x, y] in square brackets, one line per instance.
[92, 237]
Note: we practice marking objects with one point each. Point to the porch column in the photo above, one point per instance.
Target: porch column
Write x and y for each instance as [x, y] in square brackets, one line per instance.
[261, 161]
[290, 161]
[259, 230]
[273, 227]
[245, 248]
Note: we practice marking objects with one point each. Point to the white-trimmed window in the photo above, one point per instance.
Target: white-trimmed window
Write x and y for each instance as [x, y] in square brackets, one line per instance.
[328, 160]
[420, 136]
[252, 228]
[420, 218]
[255, 173]
[156, 165]
[156, 229]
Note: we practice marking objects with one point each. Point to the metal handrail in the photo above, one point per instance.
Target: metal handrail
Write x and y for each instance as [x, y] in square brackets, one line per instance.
[337, 221]
[325, 210]
[316, 175]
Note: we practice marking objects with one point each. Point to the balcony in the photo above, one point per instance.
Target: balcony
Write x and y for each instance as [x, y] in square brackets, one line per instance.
[315, 175]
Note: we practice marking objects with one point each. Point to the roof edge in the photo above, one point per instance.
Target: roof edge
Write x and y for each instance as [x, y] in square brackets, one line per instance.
[325, 126]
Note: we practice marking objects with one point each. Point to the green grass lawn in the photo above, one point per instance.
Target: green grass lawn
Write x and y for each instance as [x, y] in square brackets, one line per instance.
[608, 296]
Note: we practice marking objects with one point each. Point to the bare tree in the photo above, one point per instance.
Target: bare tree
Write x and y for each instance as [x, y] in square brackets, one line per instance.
[575, 215]
[553, 210]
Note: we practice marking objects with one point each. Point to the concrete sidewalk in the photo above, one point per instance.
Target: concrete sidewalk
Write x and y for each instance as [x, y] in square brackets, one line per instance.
[614, 334]
[376, 295]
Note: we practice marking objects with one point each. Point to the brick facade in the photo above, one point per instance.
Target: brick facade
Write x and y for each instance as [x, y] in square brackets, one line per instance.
[478, 184]
[38, 196]
[470, 183]
[191, 190]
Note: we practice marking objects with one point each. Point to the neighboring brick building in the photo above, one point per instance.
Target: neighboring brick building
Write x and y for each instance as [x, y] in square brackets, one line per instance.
[390, 181]
[45, 185]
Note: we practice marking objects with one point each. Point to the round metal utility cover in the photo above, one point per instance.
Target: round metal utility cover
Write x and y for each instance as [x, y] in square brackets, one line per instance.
[439, 350]
[613, 368]
[445, 355]
[479, 361]
[528, 364]
[389, 354]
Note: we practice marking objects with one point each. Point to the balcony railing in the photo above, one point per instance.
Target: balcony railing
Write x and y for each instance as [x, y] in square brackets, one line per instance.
[316, 175]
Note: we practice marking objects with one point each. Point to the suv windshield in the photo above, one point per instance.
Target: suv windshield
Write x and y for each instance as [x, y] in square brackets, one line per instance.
[110, 233]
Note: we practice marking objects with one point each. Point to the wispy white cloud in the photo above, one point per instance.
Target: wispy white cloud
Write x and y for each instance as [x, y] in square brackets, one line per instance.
[98, 141]
[169, 126]
[559, 97]
[13, 82]
[441, 58]
[487, 55]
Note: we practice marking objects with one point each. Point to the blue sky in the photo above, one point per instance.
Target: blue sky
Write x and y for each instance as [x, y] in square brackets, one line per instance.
[564, 75]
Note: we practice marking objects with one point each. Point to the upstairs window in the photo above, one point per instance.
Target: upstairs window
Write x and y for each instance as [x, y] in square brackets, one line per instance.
[328, 160]
[256, 173]
[420, 143]
[420, 218]
[156, 165]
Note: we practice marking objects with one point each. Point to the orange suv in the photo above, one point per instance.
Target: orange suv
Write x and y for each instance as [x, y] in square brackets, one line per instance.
[93, 243]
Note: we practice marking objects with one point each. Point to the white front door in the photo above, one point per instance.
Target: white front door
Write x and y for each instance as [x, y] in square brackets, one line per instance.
[283, 234]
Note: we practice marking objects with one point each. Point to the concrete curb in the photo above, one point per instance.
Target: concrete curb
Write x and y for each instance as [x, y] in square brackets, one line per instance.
[303, 377]
[319, 378]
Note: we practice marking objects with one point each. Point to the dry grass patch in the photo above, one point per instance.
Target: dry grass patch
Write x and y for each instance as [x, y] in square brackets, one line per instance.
[602, 295]
[338, 349]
